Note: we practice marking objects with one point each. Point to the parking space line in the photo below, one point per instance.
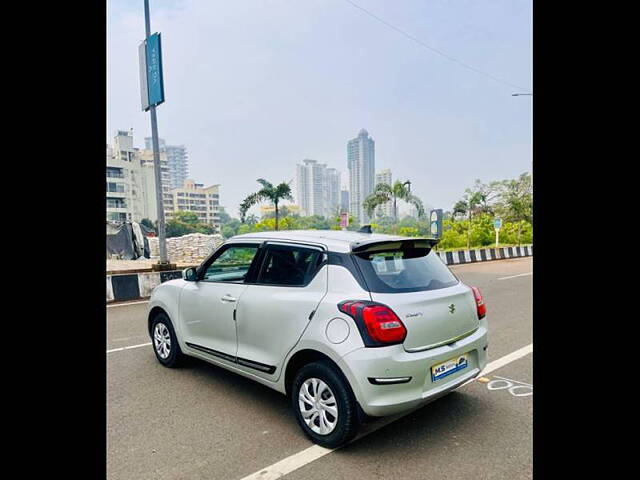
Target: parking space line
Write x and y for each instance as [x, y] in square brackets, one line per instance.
[308, 455]
[128, 348]
[514, 276]
[512, 380]
[126, 304]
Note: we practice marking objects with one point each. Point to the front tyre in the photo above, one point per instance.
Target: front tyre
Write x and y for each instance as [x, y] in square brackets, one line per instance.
[165, 342]
[324, 405]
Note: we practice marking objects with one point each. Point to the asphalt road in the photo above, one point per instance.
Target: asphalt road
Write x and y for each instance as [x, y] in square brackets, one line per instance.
[202, 422]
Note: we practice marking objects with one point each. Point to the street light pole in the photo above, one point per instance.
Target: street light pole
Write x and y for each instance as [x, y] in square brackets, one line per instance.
[162, 236]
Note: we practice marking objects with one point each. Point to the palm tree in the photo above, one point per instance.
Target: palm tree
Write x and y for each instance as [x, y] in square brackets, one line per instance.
[252, 220]
[267, 192]
[470, 204]
[384, 193]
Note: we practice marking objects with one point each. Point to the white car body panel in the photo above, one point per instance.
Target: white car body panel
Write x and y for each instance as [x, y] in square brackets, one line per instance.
[272, 325]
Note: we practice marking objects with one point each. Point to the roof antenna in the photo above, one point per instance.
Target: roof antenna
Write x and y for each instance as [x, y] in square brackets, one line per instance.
[365, 229]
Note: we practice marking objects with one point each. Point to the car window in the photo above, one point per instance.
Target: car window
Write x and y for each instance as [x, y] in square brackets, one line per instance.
[404, 270]
[232, 265]
[289, 265]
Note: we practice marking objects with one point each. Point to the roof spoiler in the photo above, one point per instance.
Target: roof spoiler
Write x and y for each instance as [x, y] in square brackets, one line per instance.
[400, 243]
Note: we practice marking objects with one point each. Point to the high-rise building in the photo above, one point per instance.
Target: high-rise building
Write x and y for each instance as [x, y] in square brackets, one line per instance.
[148, 143]
[177, 161]
[344, 201]
[317, 188]
[333, 191]
[361, 161]
[384, 176]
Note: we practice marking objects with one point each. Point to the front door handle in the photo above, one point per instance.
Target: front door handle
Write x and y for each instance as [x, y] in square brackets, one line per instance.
[227, 298]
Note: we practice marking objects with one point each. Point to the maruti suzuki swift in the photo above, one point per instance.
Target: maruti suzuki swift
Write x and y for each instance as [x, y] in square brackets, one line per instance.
[346, 324]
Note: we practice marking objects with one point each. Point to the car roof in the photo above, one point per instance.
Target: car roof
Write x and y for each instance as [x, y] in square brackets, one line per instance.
[335, 240]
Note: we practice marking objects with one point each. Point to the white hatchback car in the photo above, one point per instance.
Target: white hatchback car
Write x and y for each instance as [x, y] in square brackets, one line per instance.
[347, 324]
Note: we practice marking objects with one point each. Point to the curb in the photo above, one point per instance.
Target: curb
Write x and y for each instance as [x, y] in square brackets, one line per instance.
[485, 254]
[137, 286]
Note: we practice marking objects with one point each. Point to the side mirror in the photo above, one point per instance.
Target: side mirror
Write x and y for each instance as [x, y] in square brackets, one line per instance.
[189, 274]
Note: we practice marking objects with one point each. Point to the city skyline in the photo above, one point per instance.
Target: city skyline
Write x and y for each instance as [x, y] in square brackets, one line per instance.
[437, 124]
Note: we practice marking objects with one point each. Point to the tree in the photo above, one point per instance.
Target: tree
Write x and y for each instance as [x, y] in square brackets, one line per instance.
[184, 222]
[148, 223]
[476, 200]
[466, 206]
[267, 193]
[384, 193]
[224, 216]
[517, 201]
[252, 220]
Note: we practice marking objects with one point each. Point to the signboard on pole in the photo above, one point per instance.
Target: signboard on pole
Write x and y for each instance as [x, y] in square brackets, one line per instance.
[435, 223]
[344, 220]
[497, 224]
[151, 81]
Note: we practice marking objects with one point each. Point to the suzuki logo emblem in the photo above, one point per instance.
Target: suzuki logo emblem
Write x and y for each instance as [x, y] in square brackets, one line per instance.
[452, 308]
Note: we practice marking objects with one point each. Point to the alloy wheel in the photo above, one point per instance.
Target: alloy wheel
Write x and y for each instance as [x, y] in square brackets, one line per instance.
[162, 340]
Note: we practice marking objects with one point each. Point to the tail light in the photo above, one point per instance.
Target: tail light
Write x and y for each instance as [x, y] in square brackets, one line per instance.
[482, 308]
[377, 323]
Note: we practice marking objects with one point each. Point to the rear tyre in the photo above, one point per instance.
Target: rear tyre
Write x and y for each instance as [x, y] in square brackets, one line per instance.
[324, 405]
[165, 342]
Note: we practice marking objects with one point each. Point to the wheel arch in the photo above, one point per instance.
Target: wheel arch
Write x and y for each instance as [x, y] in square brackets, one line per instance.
[304, 357]
[153, 313]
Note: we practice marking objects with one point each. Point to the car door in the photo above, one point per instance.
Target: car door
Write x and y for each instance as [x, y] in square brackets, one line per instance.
[207, 305]
[275, 310]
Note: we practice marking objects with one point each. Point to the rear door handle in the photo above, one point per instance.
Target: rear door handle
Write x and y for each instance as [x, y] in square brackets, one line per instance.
[227, 298]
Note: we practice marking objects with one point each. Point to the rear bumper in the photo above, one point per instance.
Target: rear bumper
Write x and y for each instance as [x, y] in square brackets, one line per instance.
[395, 363]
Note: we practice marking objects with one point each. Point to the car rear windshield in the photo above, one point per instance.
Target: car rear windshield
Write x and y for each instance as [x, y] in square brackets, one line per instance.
[404, 270]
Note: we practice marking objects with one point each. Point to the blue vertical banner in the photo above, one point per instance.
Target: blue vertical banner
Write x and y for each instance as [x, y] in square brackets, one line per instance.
[155, 83]
[435, 223]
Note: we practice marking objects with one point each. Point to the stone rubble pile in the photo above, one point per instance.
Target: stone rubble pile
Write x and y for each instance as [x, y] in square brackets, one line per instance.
[191, 248]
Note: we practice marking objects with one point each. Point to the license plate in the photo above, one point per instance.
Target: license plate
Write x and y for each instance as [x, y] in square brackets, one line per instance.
[452, 365]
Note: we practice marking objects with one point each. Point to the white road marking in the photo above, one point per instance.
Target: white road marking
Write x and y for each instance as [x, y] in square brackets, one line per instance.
[127, 304]
[308, 455]
[128, 348]
[502, 361]
[514, 276]
[501, 383]
[514, 381]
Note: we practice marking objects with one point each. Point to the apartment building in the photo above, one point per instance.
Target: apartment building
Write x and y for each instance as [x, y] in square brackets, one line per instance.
[317, 188]
[195, 197]
[125, 194]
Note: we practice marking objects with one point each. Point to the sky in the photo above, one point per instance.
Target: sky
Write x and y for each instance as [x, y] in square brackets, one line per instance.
[253, 87]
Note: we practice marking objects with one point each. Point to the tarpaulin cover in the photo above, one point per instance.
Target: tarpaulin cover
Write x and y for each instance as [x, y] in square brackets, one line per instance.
[122, 244]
